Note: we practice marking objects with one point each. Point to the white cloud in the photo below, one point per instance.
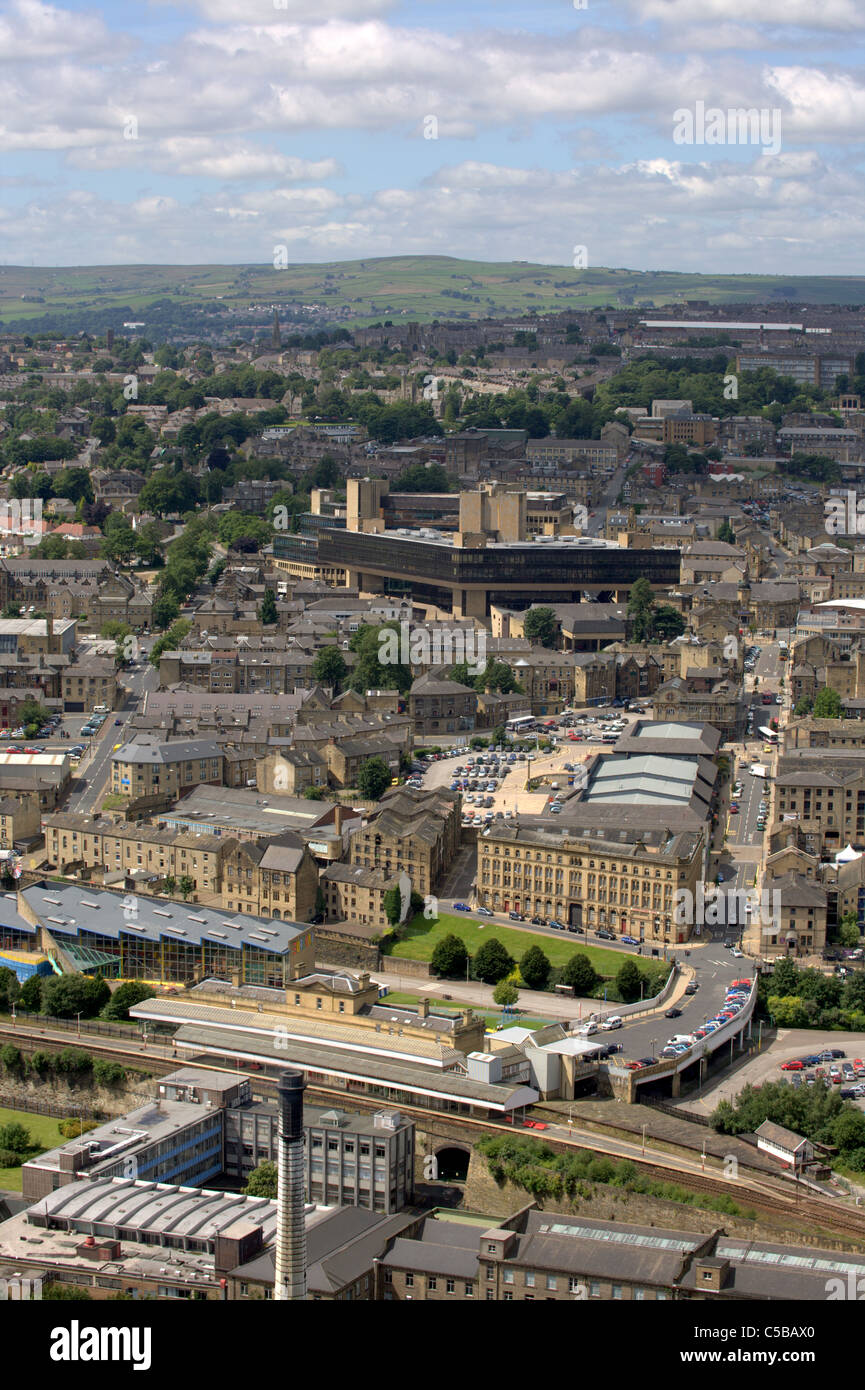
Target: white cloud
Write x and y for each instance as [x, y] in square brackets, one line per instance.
[773, 216]
[31, 31]
[807, 14]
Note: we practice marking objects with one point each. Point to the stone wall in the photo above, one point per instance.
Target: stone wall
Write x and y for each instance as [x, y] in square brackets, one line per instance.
[331, 948]
[607, 1203]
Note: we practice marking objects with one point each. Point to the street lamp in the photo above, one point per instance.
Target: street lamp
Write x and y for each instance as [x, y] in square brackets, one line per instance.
[78, 1022]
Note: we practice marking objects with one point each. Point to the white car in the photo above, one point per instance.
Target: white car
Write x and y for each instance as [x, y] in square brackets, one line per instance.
[740, 955]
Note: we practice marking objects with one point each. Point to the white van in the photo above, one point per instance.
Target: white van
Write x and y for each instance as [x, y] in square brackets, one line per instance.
[612, 1022]
[683, 1038]
[586, 1030]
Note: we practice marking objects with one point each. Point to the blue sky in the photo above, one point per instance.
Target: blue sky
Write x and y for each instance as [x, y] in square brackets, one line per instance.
[216, 130]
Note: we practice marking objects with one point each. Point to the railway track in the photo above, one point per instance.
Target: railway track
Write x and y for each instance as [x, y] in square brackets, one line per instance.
[758, 1192]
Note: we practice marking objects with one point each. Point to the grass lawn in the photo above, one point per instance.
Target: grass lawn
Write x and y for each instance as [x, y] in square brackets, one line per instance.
[45, 1134]
[422, 937]
[492, 1016]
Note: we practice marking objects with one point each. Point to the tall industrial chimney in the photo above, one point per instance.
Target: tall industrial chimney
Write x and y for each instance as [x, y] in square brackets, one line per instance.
[290, 1274]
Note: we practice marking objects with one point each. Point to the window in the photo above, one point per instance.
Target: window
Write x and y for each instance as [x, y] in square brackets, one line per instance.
[469, 1289]
[409, 1281]
[450, 1286]
[530, 1278]
[552, 1282]
[617, 1291]
[508, 1276]
[432, 1283]
[509, 1298]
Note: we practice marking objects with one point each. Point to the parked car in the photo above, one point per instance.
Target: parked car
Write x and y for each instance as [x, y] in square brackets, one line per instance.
[606, 935]
[461, 907]
[631, 940]
[484, 911]
[516, 916]
[794, 1065]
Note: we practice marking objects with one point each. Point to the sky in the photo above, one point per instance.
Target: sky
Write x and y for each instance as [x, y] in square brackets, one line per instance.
[562, 132]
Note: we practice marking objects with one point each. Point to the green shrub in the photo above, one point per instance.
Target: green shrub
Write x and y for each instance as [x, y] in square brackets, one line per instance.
[15, 1137]
[72, 1128]
[10, 1159]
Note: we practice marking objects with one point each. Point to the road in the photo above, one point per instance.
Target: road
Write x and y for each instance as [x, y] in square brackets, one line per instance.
[95, 768]
[607, 499]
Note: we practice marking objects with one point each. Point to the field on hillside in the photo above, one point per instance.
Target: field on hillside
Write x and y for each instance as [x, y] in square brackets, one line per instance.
[415, 287]
[44, 1132]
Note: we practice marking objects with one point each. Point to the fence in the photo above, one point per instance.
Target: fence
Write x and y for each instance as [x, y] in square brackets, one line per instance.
[54, 1109]
[88, 1027]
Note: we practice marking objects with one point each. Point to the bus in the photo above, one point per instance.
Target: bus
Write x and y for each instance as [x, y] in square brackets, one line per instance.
[783, 651]
[521, 725]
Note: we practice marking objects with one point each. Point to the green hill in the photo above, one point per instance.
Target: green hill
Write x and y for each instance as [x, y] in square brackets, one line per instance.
[366, 291]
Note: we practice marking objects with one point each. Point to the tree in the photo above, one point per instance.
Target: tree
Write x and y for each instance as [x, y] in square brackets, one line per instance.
[262, 1180]
[185, 886]
[124, 997]
[785, 976]
[628, 981]
[534, 968]
[492, 962]
[827, 704]
[267, 613]
[726, 533]
[848, 928]
[31, 994]
[392, 904]
[853, 996]
[107, 1073]
[12, 1060]
[667, 622]
[449, 957]
[164, 610]
[15, 1137]
[640, 604]
[541, 625]
[9, 989]
[373, 778]
[170, 884]
[64, 996]
[580, 974]
[505, 993]
[329, 667]
[803, 707]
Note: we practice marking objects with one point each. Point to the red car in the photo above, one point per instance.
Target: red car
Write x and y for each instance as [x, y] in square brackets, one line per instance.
[633, 1066]
[745, 983]
[792, 1066]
